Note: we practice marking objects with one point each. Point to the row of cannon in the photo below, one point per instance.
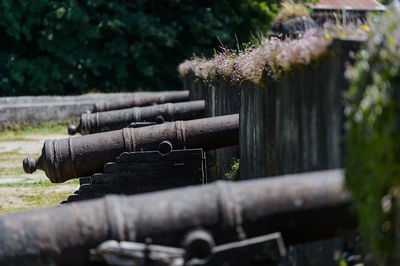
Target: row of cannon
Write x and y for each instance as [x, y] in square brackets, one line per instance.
[220, 223]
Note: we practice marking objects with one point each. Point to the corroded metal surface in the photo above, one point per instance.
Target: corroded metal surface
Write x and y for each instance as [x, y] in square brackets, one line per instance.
[118, 119]
[200, 251]
[64, 159]
[144, 171]
[302, 207]
[143, 99]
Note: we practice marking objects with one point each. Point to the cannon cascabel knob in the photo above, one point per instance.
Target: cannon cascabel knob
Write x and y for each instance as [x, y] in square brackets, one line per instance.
[72, 129]
[30, 165]
[49, 160]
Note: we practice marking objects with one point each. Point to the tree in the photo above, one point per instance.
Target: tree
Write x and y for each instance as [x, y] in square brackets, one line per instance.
[73, 46]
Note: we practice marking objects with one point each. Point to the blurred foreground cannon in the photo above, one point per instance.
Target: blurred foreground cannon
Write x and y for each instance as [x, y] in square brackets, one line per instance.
[302, 207]
[73, 157]
[143, 99]
[118, 119]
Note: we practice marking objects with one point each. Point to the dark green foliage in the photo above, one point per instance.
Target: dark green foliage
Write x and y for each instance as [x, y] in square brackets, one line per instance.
[234, 174]
[385, 2]
[373, 163]
[72, 46]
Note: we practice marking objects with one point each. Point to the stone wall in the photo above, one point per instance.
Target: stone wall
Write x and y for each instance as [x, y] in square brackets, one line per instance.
[33, 110]
[59, 99]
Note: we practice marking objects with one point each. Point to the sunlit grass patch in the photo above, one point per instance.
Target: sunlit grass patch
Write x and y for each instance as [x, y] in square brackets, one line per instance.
[20, 131]
[17, 198]
[12, 152]
[11, 171]
[11, 160]
[28, 182]
[22, 191]
[4, 137]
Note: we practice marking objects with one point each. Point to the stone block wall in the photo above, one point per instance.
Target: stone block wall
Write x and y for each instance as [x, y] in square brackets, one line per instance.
[33, 110]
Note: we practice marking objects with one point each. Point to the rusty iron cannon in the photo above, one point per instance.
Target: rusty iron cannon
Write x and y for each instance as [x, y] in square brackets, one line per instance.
[74, 157]
[302, 207]
[156, 114]
[142, 99]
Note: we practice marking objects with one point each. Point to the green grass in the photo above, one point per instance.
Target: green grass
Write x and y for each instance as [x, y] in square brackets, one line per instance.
[40, 183]
[8, 160]
[41, 129]
[32, 200]
[12, 152]
[11, 171]
[29, 192]
[13, 137]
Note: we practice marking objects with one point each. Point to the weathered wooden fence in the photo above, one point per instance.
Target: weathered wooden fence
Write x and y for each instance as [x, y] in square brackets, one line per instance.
[222, 98]
[296, 124]
[290, 125]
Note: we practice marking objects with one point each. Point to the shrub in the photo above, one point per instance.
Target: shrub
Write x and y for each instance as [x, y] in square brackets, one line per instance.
[373, 147]
[290, 10]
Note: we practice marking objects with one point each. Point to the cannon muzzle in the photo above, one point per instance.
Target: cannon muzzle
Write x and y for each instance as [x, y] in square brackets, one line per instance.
[73, 157]
[143, 99]
[303, 207]
[118, 119]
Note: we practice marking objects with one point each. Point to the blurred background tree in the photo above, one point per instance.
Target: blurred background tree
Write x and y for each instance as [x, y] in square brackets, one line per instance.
[74, 46]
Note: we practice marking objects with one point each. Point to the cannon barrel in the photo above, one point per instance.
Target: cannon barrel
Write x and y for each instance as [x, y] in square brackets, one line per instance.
[117, 119]
[142, 99]
[303, 207]
[73, 157]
